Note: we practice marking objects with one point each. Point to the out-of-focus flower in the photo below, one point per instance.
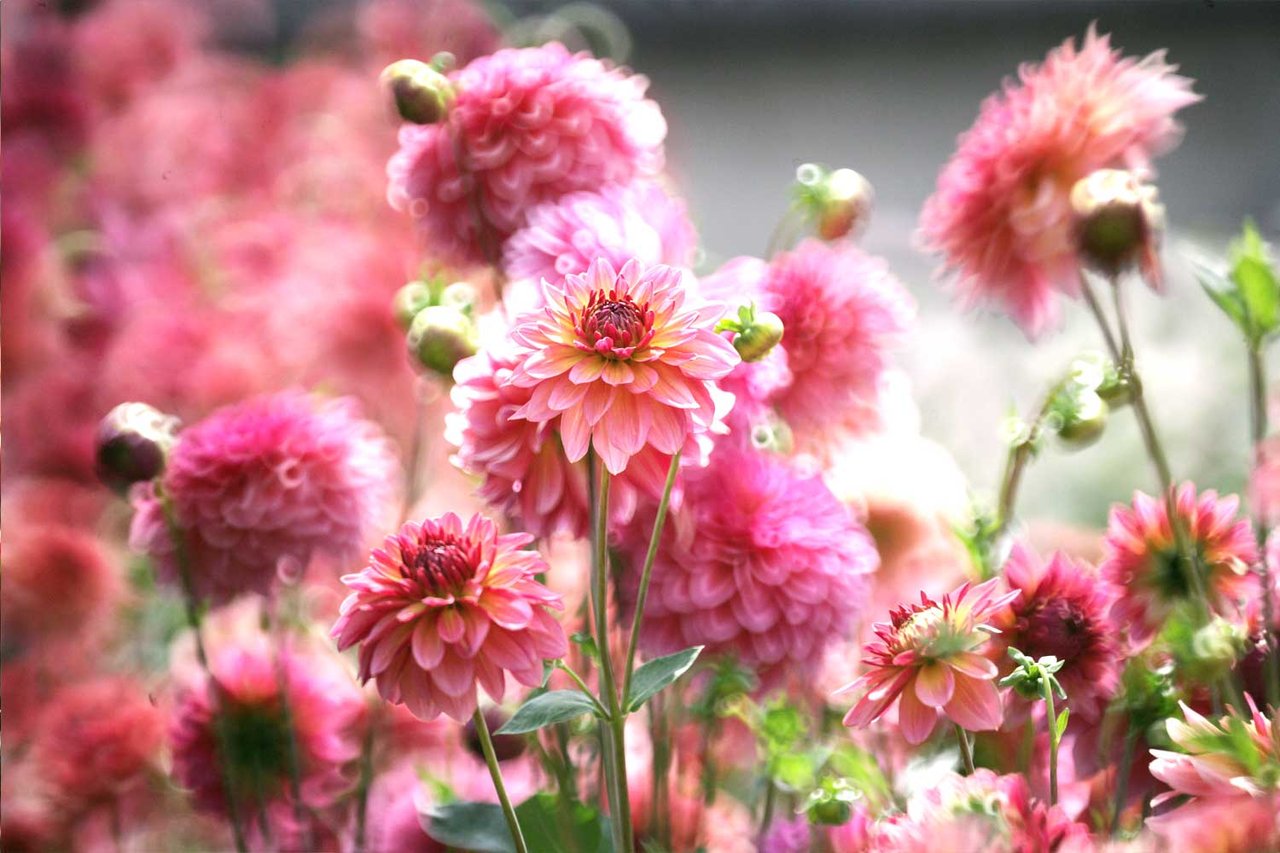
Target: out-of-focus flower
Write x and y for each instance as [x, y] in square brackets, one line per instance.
[1062, 612]
[1001, 216]
[260, 487]
[1118, 223]
[788, 834]
[527, 126]
[442, 609]
[623, 359]
[928, 654]
[1264, 484]
[396, 799]
[1220, 825]
[1142, 558]
[1237, 757]
[123, 46]
[393, 29]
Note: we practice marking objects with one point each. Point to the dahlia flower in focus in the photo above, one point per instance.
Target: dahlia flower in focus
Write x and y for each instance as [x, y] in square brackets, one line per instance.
[625, 359]
[928, 654]
[1142, 558]
[442, 609]
[260, 487]
[531, 125]
[1001, 216]
[1062, 612]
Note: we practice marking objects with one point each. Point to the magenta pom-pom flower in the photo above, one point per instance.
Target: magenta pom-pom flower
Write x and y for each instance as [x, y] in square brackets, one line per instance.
[443, 608]
[259, 488]
[1001, 216]
[931, 655]
[624, 359]
[530, 125]
[1142, 558]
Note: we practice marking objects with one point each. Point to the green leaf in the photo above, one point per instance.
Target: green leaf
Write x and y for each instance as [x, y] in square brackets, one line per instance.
[1224, 295]
[1061, 725]
[587, 643]
[471, 826]
[657, 674]
[553, 707]
[1259, 292]
[548, 826]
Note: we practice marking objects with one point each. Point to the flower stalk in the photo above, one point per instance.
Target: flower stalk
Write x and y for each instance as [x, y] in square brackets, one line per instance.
[491, 759]
[646, 573]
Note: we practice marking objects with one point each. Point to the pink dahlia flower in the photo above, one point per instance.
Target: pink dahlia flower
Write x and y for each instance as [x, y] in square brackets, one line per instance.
[761, 563]
[1142, 558]
[624, 359]
[442, 608]
[531, 125]
[1001, 216]
[260, 487]
[929, 654]
[1062, 612]
[1233, 758]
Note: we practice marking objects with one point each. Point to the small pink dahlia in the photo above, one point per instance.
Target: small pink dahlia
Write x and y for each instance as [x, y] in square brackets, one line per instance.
[930, 655]
[624, 359]
[762, 564]
[442, 608]
[1142, 558]
[531, 125]
[262, 486]
[1001, 216]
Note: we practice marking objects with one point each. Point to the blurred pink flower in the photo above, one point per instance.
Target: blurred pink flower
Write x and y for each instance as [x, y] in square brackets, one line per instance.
[530, 125]
[1264, 482]
[1237, 757]
[623, 359]
[123, 46]
[1219, 825]
[930, 655]
[261, 487]
[442, 609]
[1001, 216]
[396, 29]
[1142, 559]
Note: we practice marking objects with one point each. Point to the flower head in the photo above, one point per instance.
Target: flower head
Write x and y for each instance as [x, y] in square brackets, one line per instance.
[442, 608]
[625, 359]
[262, 486]
[1234, 757]
[1142, 557]
[530, 125]
[928, 653]
[1001, 216]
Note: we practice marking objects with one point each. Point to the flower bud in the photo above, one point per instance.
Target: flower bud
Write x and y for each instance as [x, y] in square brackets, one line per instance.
[831, 803]
[461, 295]
[419, 93]
[440, 337]
[756, 332]
[1118, 222]
[846, 205]
[409, 301]
[132, 443]
[1085, 422]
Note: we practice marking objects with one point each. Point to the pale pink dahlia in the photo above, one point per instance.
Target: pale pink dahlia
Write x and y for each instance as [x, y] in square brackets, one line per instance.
[1142, 558]
[761, 564]
[1235, 758]
[930, 655]
[1063, 612]
[260, 487]
[531, 125]
[442, 608]
[624, 359]
[1001, 215]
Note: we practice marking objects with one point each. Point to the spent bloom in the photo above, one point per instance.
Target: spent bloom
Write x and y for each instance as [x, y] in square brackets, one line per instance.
[624, 359]
[929, 655]
[527, 126]
[1142, 557]
[1001, 215]
[260, 487]
[442, 608]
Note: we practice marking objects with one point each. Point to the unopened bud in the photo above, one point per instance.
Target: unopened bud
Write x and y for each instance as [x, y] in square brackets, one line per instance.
[409, 302]
[846, 205]
[461, 295]
[1118, 221]
[1085, 422]
[440, 337]
[756, 332]
[419, 93]
[132, 443]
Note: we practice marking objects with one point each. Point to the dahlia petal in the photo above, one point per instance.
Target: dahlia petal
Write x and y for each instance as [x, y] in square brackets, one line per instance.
[427, 646]
[975, 704]
[916, 720]
[935, 684]
[454, 675]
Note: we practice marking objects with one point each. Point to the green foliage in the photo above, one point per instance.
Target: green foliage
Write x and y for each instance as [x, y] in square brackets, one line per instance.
[556, 706]
[831, 803]
[549, 824]
[1249, 291]
[1030, 677]
[657, 674]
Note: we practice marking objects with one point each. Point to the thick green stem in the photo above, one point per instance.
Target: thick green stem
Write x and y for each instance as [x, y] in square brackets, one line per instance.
[966, 750]
[642, 596]
[491, 759]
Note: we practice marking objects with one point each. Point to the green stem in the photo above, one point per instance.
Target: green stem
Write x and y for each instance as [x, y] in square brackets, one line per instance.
[417, 450]
[642, 596]
[582, 685]
[1016, 462]
[1258, 433]
[660, 739]
[491, 759]
[966, 750]
[1122, 778]
[766, 817]
[1052, 713]
[286, 711]
[366, 782]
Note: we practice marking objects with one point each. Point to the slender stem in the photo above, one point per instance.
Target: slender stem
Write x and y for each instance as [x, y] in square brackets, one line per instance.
[366, 782]
[1122, 778]
[1016, 461]
[286, 711]
[417, 450]
[1052, 713]
[1258, 433]
[491, 759]
[582, 685]
[708, 765]
[966, 750]
[642, 596]
[766, 816]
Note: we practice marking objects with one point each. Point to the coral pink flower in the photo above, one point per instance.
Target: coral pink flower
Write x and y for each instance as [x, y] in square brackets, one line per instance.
[262, 486]
[1063, 612]
[531, 125]
[929, 654]
[1142, 559]
[1233, 758]
[762, 563]
[1001, 215]
[624, 359]
[1219, 825]
[441, 609]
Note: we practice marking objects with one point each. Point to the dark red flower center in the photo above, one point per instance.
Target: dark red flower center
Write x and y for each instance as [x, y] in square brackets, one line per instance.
[442, 566]
[613, 325]
[1054, 627]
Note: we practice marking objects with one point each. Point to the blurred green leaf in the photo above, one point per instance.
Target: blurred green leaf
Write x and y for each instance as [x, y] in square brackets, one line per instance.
[481, 827]
[1061, 725]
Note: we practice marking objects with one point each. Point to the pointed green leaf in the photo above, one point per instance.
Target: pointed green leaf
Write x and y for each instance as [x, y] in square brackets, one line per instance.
[657, 674]
[1259, 292]
[1224, 295]
[1061, 725]
[553, 707]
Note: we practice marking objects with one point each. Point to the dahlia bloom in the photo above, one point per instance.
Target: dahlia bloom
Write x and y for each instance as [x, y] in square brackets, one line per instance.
[624, 359]
[531, 125]
[1001, 216]
[1142, 559]
[442, 608]
[260, 487]
[1233, 758]
[761, 563]
[928, 653]
[1062, 612]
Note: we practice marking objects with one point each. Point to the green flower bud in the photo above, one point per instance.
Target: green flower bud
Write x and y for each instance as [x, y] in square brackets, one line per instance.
[440, 337]
[419, 93]
[1085, 422]
[756, 332]
[409, 301]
